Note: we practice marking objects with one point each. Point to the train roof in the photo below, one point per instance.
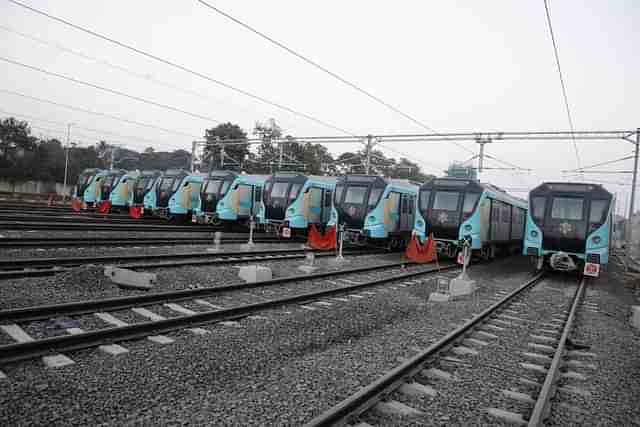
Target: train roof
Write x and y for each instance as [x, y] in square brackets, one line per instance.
[570, 187]
[175, 172]
[91, 170]
[467, 184]
[150, 173]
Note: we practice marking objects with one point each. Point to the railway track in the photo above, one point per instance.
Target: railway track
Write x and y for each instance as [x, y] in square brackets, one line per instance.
[80, 219]
[89, 226]
[36, 267]
[133, 241]
[449, 383]
[199, 311]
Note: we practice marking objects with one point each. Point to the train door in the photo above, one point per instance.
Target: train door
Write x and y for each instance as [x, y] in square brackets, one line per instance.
[406, 212]
[494, 227]
[257, 200]
[244, 199]
[313, 205]
[326, 206]
[392, 212]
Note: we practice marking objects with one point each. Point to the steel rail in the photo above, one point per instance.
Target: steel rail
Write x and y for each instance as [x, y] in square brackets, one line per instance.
[80, 219]
[12, 264]
[542, 407]
[217, 259]
[26, 225]
[116, 241]
[350, 408]
[28, 350]
[29, 314]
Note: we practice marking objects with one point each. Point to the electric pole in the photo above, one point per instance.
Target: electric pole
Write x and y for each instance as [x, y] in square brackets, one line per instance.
[368, 151]
[66, 164]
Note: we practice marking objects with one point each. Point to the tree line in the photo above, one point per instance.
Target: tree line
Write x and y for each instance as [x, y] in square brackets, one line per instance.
[26, 157]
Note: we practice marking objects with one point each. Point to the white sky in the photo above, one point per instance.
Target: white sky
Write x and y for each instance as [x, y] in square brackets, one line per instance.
[455, 65]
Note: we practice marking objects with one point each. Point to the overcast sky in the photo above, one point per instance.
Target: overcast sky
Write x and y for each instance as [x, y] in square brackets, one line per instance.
[454, 65]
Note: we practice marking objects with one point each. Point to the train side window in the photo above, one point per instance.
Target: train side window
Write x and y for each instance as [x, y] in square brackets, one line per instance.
[425, 195]
[257, 195]
[538, 205]
[338, 194]
[293, 193]
[598, 208]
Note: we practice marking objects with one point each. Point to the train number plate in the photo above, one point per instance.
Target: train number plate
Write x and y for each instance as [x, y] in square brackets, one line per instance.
[591, 269]
[286, 232]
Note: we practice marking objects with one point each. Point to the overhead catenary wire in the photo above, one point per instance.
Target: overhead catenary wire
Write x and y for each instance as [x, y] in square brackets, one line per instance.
[98, 113]
[146, 77]
[582, 169]
[182, 68]
[109, 90]
[562, 84]
[78, 126]
[336, 76]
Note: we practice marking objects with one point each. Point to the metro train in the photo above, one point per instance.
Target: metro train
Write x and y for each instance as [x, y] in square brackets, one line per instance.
[144, 185]
[570, 226]
[87, 190]
[121, 196]
[292, 202]
[375, 210]
[158, 200]
[457, 209]
[185, 198]
[227, 197]
[109, 182]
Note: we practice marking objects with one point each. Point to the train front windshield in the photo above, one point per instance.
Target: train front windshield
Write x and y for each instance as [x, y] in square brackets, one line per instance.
[445, 207]
[568, 215]
[354, 200]
[83, 182]
[212, 192]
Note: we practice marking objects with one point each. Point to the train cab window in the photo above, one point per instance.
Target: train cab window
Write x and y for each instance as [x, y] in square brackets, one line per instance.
[598, 208]
[148, 184]
[537, 206]
[470, 200]
[446, 200]
[279, 190]
[425, 195]
[225, 186]
[374, 197]
[338, 193]
[176, 184]
[327, 198]
[355, 195]
[166, 184]
[567, 208]
[293, 193]
[212, 187]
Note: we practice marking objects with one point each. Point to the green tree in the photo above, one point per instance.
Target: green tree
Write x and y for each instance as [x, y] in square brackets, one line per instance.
[235, 154]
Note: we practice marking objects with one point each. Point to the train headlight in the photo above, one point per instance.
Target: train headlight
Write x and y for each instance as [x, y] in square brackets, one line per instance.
[291, 211]
[333, 215]
[468, 227]
[596, 239]
[221, 204]
[534, 233]
[420, 223]
[371, 219]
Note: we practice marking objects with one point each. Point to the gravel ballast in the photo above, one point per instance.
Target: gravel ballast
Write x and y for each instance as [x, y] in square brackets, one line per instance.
[276, 371]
